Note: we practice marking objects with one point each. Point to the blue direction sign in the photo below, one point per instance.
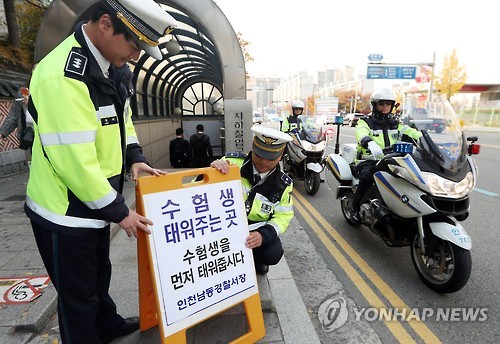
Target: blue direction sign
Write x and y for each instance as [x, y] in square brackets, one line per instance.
[391, 72]
[375, 57]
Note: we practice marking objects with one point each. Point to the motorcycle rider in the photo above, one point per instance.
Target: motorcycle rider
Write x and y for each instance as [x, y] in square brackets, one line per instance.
[292, 122]
[378, 130]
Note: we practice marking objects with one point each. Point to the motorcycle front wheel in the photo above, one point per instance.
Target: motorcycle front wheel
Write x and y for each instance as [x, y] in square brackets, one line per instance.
[445, 270]
[311, 182]
[346, 205]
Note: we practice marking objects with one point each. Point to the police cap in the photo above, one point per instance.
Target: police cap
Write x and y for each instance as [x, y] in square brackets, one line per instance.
[146, 22]
[269, 143]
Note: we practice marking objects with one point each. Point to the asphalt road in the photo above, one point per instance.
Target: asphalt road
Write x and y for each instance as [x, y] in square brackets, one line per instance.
[334, 262]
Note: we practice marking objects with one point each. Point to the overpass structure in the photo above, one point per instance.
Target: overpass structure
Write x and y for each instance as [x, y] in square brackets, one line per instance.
[202, 78]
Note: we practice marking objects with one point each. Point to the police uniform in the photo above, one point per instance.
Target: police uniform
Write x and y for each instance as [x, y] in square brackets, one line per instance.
[268, 199]
[290, 123]
[84, 137]
[385, 132]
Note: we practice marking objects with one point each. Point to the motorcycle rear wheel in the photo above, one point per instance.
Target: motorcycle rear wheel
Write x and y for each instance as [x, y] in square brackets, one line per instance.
[446, 270]
[311, 182]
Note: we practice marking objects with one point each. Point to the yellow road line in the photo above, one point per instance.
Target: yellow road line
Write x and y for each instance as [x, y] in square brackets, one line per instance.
[418, 326]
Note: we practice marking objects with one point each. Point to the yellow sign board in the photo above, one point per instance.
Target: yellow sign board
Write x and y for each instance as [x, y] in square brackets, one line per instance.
[195, 263]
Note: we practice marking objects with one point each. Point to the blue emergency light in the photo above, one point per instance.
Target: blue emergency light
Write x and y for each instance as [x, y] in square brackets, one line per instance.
[339, 120]
[402, 148]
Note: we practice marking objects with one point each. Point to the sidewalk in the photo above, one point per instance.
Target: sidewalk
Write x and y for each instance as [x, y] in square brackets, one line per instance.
[285, 315]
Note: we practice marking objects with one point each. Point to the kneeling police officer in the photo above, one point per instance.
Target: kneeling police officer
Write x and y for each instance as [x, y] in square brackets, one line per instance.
[267, 194]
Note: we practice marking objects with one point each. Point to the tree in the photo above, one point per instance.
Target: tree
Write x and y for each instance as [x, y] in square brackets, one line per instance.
[346, 101]
[23, 20]
[311, 104]
[11, 18]
[244, 48]
[452, 77]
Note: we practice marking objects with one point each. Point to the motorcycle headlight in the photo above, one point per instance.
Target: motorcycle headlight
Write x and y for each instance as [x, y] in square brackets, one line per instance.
[311, 147]
[446, 188]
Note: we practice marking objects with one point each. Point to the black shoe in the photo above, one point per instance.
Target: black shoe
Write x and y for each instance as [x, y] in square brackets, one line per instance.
[261, 269]
[128, 326]
[355, 217]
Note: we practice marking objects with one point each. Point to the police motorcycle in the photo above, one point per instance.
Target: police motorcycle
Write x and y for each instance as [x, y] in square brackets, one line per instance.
[419, 196]
[304, 155]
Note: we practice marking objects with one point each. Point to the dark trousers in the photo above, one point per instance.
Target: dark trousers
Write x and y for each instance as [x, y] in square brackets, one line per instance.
[269, 254]
[365, 171]
[80, 270]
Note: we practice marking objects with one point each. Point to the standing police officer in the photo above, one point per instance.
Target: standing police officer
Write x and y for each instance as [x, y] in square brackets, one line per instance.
[84, 138]
[267, 194]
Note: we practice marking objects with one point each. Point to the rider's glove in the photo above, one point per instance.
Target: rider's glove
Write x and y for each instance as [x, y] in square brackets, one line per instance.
[375, 149]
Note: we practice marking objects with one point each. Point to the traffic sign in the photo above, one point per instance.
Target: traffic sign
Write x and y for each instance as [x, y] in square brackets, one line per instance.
[375, 57]
[390, 72]
[22, 290]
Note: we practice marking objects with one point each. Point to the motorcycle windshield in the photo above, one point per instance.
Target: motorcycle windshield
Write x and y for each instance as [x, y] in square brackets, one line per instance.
[310, 128]
[442, 140]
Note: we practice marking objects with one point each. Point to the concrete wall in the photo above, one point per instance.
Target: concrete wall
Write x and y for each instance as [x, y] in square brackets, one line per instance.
[154, 137]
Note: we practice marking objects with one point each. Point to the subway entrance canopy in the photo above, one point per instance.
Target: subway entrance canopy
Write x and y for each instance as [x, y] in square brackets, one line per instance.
[202, 73]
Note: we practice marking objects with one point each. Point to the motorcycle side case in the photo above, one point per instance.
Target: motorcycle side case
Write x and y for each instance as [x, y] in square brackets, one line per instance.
[337, 174]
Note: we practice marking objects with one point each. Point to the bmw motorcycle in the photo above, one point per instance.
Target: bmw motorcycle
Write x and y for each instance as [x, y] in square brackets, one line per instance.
[419, 196]
[304, 155]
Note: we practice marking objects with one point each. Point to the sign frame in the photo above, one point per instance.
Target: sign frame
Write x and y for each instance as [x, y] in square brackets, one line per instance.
[151, 293]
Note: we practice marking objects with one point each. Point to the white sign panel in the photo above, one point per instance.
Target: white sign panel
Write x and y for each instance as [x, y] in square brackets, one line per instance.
[200, 260]
[238, 121]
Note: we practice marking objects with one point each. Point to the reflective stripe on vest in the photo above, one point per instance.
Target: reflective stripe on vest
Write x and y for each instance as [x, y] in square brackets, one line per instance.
[73, 137]
[103, 201]
[257, 225]
[63, 220]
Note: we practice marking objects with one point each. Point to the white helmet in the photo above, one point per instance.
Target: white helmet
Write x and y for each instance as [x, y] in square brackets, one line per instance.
[297, 103]
[382, 94]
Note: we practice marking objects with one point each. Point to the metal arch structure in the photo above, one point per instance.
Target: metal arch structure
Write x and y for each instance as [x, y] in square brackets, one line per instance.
[210, 53]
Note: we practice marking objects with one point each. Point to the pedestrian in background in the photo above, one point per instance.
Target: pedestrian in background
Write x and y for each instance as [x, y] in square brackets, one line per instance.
[179, 150]
[201, 153]
[20, 118]
[267, 194]
[77, 172]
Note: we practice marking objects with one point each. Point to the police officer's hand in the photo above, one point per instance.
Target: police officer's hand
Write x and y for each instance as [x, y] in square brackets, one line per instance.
[133, 222]
[254, 240]
[375, 149]
[220, 165]
[138, 167]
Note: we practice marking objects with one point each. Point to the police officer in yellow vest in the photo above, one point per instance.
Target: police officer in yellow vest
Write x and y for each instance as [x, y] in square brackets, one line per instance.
[84, 138]
[267, 194]
[378, 130]
[291, 123]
